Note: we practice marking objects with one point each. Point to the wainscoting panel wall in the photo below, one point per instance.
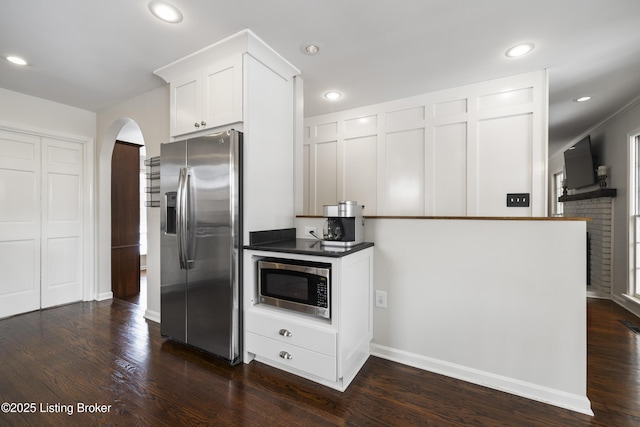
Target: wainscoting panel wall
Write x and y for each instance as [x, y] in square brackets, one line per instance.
[449, 165]
[504, 164]
[404, 181]
[325, 178]
[360, 182]
[456, 152]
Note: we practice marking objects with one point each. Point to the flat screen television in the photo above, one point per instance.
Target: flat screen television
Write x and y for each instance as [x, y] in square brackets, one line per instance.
[579, 165]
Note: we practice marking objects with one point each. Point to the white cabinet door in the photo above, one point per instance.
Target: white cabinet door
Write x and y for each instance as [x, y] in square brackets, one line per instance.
[207, 98]
[223, 93]
[19, 223]
[186, 104]
[287, 330]
[62, 222]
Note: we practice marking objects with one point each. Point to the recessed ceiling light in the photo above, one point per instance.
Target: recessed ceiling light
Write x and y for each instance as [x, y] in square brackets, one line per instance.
[332, 95]
[582, 99]
[16, 60]
[311, 48]
[519, 50]
[165, 11]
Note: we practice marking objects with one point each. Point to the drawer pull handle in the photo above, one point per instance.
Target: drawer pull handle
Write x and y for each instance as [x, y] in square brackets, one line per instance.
[286, 355]
[285, 333]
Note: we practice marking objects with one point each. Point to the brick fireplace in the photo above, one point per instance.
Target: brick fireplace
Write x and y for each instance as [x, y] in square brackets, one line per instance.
[598, 207]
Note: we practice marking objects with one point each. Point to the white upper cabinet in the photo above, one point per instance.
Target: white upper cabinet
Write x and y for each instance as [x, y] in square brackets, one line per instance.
[242, 83]
[208, 87]
[207, 98]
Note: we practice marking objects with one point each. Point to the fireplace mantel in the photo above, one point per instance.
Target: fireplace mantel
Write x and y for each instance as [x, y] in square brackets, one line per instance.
[602, 192]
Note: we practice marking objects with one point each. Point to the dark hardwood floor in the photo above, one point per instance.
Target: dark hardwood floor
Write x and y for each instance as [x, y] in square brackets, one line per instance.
[141, 297]
[105, 353]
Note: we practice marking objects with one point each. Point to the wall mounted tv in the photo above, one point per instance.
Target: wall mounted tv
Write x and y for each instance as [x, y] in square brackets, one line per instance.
[579, 165]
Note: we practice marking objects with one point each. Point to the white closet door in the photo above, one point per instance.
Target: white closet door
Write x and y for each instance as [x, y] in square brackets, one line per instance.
[19, 223]
[62, 222]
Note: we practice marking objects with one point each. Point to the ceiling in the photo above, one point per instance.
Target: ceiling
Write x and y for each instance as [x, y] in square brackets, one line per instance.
[96, 54]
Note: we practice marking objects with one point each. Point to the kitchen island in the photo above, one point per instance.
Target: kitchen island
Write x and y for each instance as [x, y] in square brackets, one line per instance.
[499, 302]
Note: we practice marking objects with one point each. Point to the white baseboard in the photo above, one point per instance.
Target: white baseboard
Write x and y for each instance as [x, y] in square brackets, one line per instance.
[593, 294]
[104, 296]
[547, 395]
[151, 315]
[628, 302]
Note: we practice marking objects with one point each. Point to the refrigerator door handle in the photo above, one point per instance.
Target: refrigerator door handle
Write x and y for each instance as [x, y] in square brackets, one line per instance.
[182, 214]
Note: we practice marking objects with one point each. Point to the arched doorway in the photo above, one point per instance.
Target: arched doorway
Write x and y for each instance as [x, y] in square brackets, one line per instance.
[124, 203]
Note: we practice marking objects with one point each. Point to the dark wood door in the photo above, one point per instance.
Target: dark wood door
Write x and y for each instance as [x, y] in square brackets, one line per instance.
[125, 220]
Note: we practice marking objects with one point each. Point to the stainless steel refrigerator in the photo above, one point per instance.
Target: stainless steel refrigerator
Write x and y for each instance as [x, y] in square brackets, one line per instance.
[201, 235]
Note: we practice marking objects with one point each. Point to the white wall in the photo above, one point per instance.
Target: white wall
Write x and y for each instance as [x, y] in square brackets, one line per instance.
[456, 152]
[611, 144]
[41, 114]
[500, 303]
[151, 113]
[610, 141]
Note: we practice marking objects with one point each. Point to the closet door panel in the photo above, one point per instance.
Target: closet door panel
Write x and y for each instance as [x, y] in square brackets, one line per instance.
[19, 223]
[62, 226]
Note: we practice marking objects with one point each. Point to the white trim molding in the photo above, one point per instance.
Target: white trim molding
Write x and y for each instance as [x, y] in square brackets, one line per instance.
[536, 392]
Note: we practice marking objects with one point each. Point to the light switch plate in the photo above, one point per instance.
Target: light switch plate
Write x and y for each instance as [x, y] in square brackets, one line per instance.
[518, 200]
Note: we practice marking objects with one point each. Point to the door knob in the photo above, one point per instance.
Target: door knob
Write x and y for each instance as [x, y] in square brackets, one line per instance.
[285, 333]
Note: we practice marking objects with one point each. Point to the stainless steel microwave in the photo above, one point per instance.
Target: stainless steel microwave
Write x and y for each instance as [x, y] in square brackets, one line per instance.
[299, 286]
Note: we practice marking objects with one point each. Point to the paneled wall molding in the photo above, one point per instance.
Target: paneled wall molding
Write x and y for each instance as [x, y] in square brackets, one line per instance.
[453, 152]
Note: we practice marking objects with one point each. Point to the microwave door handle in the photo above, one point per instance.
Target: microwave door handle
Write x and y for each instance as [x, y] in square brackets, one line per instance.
[181, 220]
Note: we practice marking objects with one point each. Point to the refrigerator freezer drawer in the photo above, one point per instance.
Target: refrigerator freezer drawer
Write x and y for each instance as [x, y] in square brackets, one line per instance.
[318, 339]
[291, 356]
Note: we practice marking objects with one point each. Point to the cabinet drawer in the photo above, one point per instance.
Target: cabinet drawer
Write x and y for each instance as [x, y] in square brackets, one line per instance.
[290, 331]
[292, 356]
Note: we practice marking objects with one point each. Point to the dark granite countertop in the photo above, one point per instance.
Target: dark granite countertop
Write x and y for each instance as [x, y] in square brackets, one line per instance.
[284, 241]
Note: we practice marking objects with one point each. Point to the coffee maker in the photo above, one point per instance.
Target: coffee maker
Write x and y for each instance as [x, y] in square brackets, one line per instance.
[344, 225]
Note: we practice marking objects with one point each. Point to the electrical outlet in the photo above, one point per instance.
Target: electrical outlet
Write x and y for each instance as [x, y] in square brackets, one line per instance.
[309, 230]
[518, 200]
[381, 299]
